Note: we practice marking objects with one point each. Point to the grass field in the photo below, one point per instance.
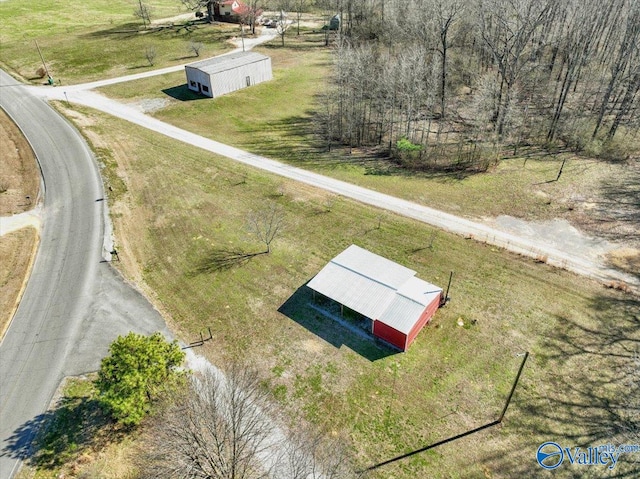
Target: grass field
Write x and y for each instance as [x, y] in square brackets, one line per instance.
[16, 250]
[180, 219]
[275, 119]
[180, 216]
[99, 40]
[19, 180]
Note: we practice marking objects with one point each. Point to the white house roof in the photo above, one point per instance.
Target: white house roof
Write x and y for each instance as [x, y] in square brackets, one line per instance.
[227, 62]
[375, 287]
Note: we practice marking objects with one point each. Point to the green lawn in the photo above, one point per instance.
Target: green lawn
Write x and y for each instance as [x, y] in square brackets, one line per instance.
[181, 215]
[99, 40]
[276, 119]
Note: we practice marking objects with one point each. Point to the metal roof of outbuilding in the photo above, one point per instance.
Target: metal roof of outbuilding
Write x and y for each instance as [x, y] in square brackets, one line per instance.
[227, 62]
[374, 267]
[375, 287]
[357, 292]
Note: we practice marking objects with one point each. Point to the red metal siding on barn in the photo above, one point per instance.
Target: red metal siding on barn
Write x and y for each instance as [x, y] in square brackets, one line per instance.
[389, 334]
[425, 317]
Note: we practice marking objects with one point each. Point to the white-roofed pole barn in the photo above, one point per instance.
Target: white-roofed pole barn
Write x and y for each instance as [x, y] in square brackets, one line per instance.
[398, 304]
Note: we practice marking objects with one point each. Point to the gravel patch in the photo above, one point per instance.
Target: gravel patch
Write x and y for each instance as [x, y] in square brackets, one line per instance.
[151, 105]
[558, 234]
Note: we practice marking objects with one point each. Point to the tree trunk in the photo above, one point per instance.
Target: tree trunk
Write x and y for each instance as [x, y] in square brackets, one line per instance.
[443, 77]
[626, 104]
[210, 12]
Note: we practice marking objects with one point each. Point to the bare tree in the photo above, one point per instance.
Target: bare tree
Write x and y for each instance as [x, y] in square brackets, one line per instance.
[544, 70]
[301, 7]
[621, 69]
[249, 13]
[195, 47]
[150, 54]
[587, 23]
[506, 27]
[629, 101]
[143, 12]
[219, 428]
[225, 427]
[266, 223]
[446, 15]
[283, 23]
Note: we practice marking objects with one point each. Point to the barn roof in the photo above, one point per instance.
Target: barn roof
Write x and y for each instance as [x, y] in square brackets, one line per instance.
[227, 62]
[375, 287]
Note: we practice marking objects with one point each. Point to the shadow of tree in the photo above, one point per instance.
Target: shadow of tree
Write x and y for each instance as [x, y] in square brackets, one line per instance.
[224, 259]
[587, 393]
[617, 215]
[129, 29]
[63, 433]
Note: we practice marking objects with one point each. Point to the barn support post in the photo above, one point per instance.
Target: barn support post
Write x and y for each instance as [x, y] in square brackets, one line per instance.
[342, 310]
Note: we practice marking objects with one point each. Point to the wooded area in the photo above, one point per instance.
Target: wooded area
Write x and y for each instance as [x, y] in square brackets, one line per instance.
[446, 84]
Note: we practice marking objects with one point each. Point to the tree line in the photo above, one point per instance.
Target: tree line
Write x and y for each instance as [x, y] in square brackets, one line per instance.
[464, 80]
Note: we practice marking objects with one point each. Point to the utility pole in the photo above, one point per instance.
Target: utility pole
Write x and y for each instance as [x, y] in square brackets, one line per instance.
[46, 70]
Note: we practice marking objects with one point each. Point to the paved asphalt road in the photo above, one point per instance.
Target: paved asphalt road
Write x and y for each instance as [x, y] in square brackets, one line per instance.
[74, 304]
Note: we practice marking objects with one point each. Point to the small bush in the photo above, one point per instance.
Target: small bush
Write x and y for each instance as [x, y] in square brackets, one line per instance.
[139, 370]
[407, 152]
[615, 150]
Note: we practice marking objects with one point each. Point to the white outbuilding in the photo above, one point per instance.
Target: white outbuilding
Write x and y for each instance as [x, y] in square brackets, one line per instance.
[220, 75]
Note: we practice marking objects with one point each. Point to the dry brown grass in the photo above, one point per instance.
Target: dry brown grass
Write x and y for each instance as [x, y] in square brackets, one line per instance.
[19, 176]
[16, 251]
[626, 259]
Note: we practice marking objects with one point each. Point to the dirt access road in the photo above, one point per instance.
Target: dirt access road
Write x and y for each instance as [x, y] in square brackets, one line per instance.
[577, 256]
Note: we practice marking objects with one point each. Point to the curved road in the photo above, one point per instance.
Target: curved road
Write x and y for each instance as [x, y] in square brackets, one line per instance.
[74, 306]
[74, 303]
